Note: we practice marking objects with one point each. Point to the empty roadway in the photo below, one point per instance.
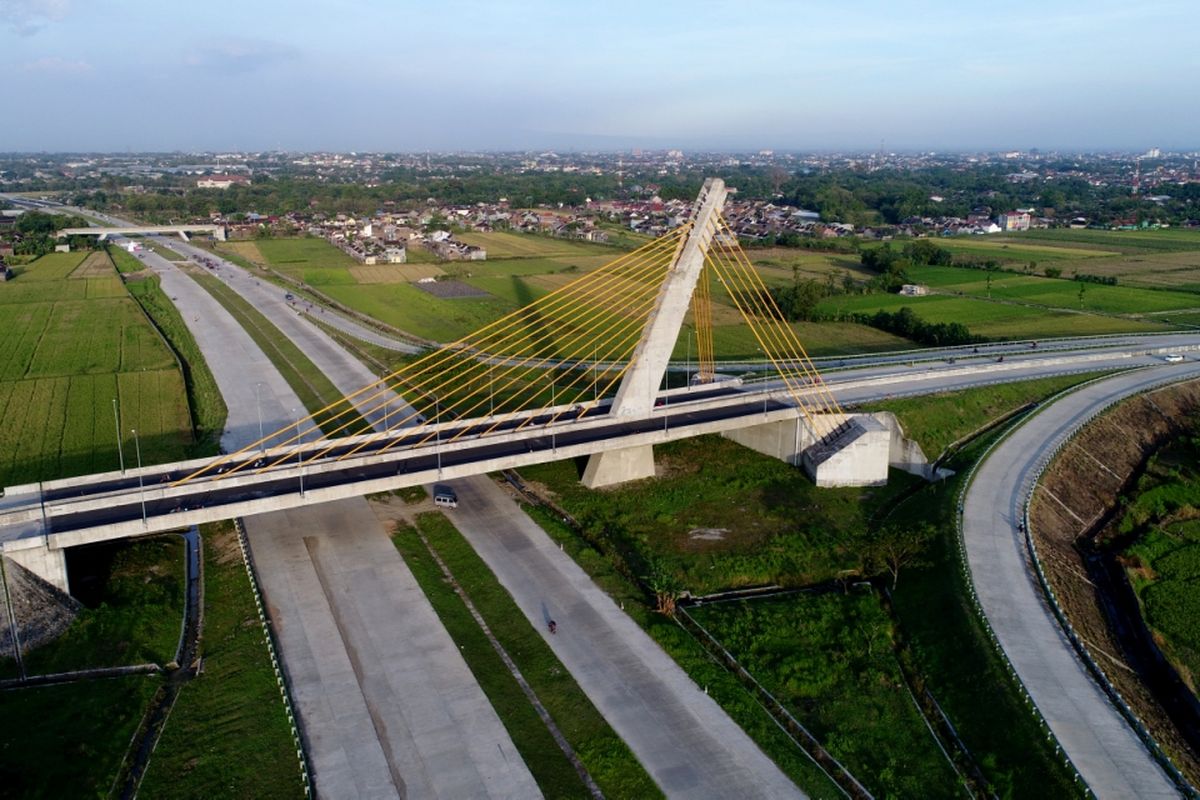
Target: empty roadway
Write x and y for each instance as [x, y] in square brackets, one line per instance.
[1105, 750]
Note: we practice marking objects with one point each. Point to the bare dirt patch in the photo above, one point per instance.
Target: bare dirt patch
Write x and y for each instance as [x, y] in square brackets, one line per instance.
[393, 511]
[451, 290]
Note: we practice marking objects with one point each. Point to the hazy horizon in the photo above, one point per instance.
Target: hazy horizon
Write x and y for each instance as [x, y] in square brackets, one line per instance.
[465, 76]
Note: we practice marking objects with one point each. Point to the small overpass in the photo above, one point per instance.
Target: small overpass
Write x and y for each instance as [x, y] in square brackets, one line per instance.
[218, 231]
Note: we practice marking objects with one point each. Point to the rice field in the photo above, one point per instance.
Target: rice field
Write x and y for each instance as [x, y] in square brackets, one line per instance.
[72, 346]
[1054, 293]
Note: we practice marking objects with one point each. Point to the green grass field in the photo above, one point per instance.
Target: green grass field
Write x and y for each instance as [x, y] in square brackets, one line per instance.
[828, 658]
[607, 759]
[774, 525]
[1053, 293]
[228, 735]
[953, 653]
[68, 740]
[995, 320]
[73, 345]
[410, 309]
[503, 245]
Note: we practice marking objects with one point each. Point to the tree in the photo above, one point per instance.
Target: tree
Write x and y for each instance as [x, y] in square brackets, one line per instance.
[894, 547]
[665, 585]
[1052, 272]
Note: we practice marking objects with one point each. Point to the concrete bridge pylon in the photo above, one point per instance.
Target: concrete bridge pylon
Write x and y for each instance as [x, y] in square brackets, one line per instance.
[636, 395]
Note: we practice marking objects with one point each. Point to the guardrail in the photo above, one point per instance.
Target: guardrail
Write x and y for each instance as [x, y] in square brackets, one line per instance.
[1060, 614]
[987, 625]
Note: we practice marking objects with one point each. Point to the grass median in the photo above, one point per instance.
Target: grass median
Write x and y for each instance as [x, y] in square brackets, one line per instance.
[228, 735]
[606, 757]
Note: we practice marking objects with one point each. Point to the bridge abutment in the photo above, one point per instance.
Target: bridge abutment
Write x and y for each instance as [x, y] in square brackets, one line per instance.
[36, 556]
[618, 466]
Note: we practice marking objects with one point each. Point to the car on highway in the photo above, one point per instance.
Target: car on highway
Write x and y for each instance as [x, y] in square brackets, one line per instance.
[1172, 358]
[444, 496]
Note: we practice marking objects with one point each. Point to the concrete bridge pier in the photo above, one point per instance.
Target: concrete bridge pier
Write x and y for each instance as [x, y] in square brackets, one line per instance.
[35, 555]
[617, 466]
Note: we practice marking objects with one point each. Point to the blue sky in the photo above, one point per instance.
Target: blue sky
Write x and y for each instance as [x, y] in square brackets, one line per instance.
[458, 74]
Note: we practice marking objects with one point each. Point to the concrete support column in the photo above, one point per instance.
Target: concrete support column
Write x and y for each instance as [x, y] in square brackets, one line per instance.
[785, 440]
[617, 466]
[49, 564]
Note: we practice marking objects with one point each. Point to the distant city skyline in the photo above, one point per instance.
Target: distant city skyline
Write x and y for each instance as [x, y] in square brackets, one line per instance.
[114, 75]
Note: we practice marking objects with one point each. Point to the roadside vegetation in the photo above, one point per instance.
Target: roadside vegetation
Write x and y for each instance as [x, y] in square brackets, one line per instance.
[208, 410]
[936, 421]
[957, 661]
[607, 759]
[228, 735]
[69, 740]
[721, 517]
[829, 658]
[1162, 558]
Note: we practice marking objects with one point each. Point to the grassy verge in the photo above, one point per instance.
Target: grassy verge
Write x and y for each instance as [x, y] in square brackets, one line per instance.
[68, 740]
[938, 420]
[124, 262]
[204, 397]
[228, 735]
[722, 516]
[314, 389]
[720, 684]
[952, 651]
[605, 756]
[165, 252]
[135, 588]
[828, 658]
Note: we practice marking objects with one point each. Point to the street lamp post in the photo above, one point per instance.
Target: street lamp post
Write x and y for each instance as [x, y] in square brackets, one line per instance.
[437, 433]
[120, 452]
[141, 481]
[299, 445]
[688, 363]
[387, 403]
[258, 405]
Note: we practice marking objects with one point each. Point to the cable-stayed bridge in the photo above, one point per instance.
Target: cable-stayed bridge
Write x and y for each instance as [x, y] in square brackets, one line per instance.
[579, 372]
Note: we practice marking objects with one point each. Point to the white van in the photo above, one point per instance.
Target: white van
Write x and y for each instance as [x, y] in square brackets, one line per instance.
[444, 496]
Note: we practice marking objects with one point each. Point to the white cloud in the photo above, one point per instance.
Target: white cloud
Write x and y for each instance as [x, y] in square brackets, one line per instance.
[27, 17]
[53, 65]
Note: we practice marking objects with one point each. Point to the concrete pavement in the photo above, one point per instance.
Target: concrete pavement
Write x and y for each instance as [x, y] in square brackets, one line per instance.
[682, 737]
[388, 706]
[1105, 750]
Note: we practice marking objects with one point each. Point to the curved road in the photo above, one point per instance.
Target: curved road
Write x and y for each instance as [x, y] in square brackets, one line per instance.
[1109, 756]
